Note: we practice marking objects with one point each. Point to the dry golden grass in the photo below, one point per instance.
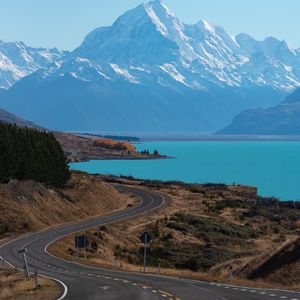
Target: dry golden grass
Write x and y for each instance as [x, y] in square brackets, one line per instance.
[13, 286]
[30, 206]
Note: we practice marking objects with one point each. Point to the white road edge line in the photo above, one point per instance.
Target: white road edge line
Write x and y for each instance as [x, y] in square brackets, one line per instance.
[247, 288]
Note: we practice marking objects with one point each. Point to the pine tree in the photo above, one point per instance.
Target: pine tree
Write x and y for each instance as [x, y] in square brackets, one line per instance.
[31, 154]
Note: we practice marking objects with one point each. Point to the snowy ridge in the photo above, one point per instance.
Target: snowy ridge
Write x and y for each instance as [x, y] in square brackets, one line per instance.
[149, 41]
[151, 37]
[18, 60]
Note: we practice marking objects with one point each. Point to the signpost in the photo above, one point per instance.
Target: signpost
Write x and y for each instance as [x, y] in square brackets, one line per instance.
[145, 238]
[25, 265]
[81, 242]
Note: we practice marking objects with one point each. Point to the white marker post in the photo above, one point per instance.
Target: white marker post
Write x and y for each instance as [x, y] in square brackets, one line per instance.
[25, 265]
[2, 264]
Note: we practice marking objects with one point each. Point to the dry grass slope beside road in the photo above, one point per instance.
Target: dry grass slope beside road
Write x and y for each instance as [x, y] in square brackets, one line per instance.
[13, 286]
[30, 206]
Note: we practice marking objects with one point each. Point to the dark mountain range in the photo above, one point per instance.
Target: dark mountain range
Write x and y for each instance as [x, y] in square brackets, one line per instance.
[283, 119]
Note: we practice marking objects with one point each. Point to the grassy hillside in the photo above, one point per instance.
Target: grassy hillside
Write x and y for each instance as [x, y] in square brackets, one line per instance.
[29, 206]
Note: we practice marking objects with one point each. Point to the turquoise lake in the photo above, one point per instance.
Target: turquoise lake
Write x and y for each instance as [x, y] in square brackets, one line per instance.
[273, 167]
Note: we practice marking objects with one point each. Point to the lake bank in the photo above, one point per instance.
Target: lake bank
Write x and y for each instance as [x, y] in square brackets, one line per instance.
[272, 167]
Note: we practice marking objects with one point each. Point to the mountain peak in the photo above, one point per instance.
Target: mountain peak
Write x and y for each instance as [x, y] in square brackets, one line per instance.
[207, 26]
[133, 35]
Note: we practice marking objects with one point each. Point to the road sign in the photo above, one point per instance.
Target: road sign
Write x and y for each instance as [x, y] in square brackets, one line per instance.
[145, 238]
[81, 241]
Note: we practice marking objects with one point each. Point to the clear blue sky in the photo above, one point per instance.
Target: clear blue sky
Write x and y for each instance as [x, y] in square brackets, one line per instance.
[64, 23]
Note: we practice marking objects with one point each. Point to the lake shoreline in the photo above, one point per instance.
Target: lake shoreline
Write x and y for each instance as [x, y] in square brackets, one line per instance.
[272, 167]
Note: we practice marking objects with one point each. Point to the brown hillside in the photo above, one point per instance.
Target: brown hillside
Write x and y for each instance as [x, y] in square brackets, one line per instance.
[29, 206]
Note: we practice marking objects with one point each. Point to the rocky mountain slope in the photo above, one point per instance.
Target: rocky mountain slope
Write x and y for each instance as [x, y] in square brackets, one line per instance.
[283, 119]
[150, 72]
[17, 60]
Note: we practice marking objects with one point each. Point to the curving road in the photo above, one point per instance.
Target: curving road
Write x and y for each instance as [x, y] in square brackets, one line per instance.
[84, 282]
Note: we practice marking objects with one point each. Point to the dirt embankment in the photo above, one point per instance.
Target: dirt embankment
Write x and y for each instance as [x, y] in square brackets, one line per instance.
[29, 206]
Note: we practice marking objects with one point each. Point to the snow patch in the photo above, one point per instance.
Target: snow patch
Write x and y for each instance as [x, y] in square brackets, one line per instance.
[139, 69]
[124, 73]
[155, 19]
[209, 26]
[171, 70]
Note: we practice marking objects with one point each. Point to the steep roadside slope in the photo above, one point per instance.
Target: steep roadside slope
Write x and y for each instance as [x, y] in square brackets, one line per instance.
[30, 206]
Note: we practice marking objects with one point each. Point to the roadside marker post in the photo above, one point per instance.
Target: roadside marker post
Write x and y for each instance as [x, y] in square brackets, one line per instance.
[25, 265]
[2, 264]
[145, 238]
[158, 270]
[36, 280]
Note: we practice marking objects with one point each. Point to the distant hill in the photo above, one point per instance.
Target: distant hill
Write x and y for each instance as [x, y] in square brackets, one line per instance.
[283, 119]
[10, 118]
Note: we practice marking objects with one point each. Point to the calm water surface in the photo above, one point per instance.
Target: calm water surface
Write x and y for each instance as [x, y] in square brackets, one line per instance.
[274, 167]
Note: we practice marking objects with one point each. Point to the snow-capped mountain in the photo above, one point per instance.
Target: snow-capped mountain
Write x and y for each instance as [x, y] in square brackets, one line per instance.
[151, 72]
[18, 60]
[151, 35]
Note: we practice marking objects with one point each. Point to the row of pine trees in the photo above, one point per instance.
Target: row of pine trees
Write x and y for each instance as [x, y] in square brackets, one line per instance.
[30, 154]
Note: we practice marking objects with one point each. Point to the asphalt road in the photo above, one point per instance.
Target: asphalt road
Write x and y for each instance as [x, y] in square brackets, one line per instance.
[83, 282]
